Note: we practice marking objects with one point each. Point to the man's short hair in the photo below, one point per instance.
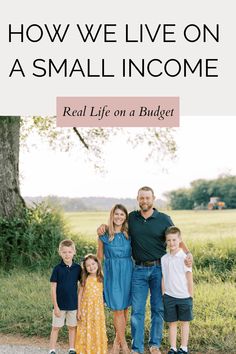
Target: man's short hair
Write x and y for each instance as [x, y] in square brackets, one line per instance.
[147, 189]
[67, 243]
[172, 230]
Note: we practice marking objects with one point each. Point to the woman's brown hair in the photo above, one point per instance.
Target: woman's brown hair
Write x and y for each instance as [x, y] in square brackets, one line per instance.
[85, 273]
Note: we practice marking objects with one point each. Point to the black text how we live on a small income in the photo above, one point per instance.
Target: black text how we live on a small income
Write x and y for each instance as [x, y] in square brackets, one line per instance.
[129, 35]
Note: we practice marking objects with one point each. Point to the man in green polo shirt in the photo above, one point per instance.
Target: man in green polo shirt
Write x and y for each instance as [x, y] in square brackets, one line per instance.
[147, 228]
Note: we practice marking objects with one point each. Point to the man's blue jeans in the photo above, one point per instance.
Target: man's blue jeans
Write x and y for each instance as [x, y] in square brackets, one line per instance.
[145, 278]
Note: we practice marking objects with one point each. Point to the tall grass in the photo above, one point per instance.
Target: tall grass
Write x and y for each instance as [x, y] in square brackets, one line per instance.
[214, 326]
[211, 236]
[214, 259]
[32, 239]
[26, 309]
[25, 303]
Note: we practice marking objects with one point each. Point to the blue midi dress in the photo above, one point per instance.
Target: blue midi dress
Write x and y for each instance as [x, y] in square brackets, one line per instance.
[118, 268]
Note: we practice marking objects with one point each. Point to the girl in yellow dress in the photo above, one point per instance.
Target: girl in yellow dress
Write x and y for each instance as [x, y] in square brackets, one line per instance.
[91, 335]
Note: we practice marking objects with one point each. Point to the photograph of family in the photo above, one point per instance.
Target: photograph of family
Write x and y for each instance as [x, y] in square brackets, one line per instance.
[117, 241]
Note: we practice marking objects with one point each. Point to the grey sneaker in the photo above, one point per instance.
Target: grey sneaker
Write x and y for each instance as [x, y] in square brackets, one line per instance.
[71, 352]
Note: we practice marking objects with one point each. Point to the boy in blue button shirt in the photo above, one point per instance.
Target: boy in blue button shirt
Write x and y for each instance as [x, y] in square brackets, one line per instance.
[64, 289]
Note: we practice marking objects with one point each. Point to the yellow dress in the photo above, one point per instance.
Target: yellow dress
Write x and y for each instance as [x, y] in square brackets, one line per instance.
[91, 335]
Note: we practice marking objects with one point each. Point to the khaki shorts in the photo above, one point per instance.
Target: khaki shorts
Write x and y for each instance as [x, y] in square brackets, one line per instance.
[70, 317]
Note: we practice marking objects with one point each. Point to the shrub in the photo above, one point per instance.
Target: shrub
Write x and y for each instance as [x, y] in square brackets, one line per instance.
[32, 239]
[84, 247]
[214, 260]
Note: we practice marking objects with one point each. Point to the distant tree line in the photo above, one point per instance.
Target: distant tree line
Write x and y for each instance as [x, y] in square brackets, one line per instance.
[200, 191]
[88, 203]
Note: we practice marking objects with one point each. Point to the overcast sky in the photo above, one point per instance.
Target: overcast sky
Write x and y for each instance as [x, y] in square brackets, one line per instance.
[206, 149]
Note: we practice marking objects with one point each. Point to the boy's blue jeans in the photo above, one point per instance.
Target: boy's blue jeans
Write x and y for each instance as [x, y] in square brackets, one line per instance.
[145, 278]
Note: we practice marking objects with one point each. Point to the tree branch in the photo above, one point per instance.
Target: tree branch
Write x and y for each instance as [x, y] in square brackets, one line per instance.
[80, 138]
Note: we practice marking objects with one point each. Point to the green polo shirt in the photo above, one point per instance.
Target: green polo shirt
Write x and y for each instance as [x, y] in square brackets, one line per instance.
[148, 235]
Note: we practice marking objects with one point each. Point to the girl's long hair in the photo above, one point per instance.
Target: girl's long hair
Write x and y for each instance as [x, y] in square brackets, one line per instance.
[85, 273]
[124, 227]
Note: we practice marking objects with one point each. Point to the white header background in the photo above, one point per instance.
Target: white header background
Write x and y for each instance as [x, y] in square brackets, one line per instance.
[198, 96]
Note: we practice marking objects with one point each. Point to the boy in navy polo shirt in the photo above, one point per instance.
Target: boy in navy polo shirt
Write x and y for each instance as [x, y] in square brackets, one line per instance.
[64, 288]
[177, 288]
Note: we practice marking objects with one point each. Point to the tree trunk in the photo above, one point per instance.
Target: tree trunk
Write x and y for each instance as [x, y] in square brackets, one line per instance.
[11, 202]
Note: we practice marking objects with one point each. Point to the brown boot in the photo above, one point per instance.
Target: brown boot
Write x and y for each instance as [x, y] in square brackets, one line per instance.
[155, 350]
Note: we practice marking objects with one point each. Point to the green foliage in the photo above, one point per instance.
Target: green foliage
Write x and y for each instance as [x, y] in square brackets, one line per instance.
[214, 261]
[180, 199]
[201, 190]
[32, 239]
[84, 247]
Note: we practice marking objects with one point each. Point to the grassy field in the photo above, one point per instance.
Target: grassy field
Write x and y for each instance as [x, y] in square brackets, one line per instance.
[26, 309]
[25, 297]
[195, 225]
[85, 223]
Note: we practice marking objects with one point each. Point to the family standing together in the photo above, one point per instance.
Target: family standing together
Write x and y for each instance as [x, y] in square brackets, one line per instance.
[132, 248]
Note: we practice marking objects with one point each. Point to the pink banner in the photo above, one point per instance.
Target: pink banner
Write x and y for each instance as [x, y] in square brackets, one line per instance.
[117, 111]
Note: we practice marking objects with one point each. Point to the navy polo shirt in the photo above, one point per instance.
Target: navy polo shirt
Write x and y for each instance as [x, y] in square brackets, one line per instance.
[148, 235]
[67, 285]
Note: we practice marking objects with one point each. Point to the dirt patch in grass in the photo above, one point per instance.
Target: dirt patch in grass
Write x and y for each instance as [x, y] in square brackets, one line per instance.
[10, 339]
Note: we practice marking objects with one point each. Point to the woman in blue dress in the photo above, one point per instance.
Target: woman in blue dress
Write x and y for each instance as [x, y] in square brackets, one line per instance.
[115, 247]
